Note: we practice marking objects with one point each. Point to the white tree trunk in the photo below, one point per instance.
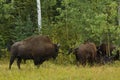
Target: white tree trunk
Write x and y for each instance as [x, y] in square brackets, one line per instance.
[119, 13]
[39, 15]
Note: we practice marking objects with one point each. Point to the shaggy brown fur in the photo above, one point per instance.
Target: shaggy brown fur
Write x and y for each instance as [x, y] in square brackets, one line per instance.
[86, 52]
[38, 48]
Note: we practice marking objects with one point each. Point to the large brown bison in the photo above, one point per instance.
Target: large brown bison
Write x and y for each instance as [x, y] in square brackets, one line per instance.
[38, 48]
[85, 53]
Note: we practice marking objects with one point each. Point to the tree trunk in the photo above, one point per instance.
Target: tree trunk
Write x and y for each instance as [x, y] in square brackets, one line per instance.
[119, 13]
[39, 15]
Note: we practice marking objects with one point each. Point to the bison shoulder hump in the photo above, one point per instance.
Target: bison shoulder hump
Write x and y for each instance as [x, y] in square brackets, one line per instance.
[38, 38]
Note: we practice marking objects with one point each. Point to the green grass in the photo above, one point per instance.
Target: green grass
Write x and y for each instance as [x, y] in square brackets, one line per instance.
[50, 71]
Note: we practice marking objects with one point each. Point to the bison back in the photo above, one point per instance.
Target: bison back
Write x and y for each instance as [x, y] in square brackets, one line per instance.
[37, 38]
[87, 50]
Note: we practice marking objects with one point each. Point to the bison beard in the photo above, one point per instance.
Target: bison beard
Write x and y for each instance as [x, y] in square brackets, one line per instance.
[38, 48]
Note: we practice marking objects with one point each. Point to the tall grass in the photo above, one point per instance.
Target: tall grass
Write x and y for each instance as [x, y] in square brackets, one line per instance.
[52, 71]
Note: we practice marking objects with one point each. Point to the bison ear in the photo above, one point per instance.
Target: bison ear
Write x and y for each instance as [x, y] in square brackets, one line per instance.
[57, 45]
[76, 50]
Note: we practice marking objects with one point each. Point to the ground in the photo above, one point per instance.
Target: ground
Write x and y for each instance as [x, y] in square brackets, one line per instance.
[51, 71]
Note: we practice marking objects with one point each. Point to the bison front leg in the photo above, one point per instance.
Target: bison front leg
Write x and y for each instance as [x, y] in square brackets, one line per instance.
[78, 60]
[36, 62]
[11, 61]
[18, 62]
[83, 62]
[91, 61]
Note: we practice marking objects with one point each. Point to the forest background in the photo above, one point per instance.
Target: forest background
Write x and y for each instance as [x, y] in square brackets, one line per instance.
[68, 22]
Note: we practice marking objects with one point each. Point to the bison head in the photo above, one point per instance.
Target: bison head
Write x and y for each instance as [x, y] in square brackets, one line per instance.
[74, 51]
[57, 46]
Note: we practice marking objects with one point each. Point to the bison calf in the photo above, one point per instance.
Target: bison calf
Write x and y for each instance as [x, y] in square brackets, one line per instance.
[38, 48]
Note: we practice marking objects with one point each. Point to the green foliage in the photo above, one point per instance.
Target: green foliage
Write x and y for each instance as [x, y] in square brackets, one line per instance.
[26, 20]
[23, 29]
[68, 22]
[64, 59]
[6, 23]
[79, 21]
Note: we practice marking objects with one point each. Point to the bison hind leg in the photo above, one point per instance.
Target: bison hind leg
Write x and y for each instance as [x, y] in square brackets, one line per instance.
[18, 62]
[11, 61]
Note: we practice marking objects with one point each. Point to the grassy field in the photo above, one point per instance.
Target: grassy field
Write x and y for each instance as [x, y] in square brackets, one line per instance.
[50, 71]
